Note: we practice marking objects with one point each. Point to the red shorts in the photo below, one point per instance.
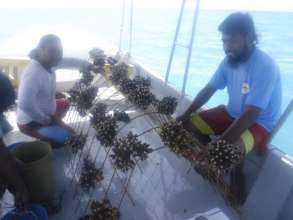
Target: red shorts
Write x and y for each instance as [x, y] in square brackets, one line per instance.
[217, 120]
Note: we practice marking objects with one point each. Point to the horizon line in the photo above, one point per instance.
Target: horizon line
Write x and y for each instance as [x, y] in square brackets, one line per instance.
[204, 8]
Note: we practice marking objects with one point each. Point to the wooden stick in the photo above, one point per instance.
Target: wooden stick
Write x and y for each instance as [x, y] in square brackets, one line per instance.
[121, 100]
[159, 148]
[147, 131]
[110, 183]
[79, 160]
[120, 179]
[126, 187]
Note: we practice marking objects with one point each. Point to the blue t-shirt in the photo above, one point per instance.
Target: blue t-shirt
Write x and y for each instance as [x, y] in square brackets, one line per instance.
[256, 82]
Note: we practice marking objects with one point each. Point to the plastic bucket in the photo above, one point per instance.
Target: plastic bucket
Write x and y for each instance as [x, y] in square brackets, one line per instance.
[36, 165]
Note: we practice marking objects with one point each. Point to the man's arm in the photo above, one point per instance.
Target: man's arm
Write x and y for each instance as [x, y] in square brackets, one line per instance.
[245, 121]
[218, 81]
[202, 97]
[80, 64]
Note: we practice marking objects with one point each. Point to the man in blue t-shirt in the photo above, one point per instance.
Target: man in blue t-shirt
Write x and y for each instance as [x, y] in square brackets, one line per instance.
[253, 83]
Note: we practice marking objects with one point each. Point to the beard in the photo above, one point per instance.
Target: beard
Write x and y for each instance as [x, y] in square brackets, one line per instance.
[235, 59]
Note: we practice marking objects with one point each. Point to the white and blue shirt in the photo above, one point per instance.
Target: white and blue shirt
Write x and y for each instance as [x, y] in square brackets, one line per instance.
[256, 82]
[36, 95]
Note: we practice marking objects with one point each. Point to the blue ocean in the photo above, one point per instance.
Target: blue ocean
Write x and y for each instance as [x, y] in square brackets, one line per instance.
[153, 33]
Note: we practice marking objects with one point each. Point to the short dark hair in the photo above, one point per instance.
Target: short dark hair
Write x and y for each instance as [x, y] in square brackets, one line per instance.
[239, 23]
[44, 42]
[7, 93]
[48, 39]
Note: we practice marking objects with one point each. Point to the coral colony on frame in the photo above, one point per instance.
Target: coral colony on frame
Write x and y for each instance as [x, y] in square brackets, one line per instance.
[126, 150]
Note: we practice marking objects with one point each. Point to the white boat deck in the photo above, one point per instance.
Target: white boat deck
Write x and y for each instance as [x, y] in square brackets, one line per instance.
[164, 187]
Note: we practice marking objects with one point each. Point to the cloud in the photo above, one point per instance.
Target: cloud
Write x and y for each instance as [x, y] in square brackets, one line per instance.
[22, 43]
[259, 5]
[271, 5]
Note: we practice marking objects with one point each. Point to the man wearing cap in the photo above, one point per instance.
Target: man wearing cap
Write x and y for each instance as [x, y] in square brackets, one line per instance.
[253, 83]
[39, 114]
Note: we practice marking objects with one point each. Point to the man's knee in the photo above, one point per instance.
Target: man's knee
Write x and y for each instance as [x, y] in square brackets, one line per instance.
[193, 128]
[26, 129]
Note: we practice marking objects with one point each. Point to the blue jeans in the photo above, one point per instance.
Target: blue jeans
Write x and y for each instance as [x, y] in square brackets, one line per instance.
[55, 133]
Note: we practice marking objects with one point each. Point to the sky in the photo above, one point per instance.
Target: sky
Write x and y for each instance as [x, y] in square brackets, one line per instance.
[267, 5]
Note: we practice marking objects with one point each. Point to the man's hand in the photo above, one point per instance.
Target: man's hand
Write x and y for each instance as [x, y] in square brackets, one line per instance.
[245, 121]
[61, 123]
[183, 118]
[202, 97]
[47, 121]
[70, 129]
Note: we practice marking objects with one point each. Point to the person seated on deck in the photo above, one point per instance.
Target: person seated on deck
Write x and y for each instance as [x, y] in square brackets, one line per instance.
[39, 113]
[253, 83]
[10, 175]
